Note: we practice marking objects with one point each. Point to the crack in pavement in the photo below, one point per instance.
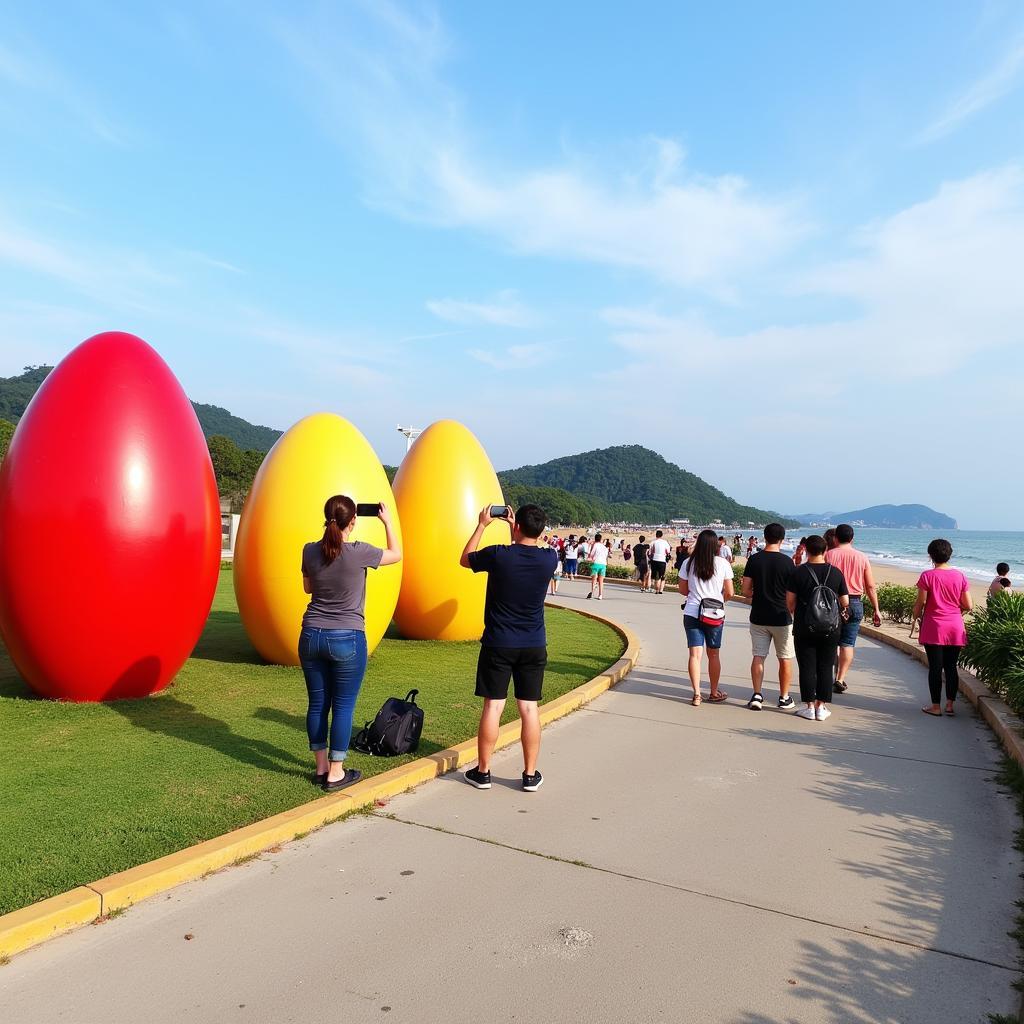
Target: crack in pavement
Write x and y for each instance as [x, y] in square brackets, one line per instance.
[583, 865]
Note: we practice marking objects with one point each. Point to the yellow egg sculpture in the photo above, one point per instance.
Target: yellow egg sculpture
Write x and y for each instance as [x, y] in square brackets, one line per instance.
[443, 483]
[319, 456]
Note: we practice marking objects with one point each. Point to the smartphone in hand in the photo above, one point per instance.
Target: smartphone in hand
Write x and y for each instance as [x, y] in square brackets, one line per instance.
[498, 511]
[368, 508]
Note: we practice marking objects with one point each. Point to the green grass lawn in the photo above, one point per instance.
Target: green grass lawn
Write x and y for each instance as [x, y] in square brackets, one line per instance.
[90, 789]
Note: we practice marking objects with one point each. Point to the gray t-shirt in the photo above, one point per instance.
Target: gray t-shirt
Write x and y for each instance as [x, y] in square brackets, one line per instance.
[339, 589]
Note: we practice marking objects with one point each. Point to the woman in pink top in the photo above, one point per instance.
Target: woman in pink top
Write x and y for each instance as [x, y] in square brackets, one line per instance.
[943, 595]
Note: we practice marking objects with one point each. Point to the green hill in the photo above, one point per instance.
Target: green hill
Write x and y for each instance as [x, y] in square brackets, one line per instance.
[17, 392]
[630, 483]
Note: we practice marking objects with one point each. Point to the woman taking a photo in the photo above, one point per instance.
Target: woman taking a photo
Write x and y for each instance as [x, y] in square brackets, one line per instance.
[705, 580]
[943, 595]
[332, 644]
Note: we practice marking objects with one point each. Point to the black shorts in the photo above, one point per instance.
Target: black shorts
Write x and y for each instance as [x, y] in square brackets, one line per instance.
[641, 568]
[658, 570]
[524, 665]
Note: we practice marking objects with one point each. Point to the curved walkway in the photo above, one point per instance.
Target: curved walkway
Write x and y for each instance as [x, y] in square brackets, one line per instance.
[679, 864]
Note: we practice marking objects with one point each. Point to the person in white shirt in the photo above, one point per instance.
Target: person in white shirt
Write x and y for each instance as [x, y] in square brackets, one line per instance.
[724, 551]
[660, 551]
[705, 580]
[598, 567]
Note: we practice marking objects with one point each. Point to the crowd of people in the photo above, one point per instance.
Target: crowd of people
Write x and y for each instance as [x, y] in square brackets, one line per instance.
[808, 606]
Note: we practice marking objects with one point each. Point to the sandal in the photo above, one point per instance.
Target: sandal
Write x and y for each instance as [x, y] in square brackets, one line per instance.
[934, 714]
[950, 712]
[718, 698]
[695, 700]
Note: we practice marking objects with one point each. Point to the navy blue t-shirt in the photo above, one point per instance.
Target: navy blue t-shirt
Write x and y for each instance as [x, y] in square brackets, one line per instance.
[517, 582]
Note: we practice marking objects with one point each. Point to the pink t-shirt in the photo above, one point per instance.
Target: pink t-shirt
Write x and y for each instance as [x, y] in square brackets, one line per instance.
[852, 564]
[942, 622]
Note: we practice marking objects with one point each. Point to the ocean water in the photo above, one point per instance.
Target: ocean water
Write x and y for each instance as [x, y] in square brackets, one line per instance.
[975, 552]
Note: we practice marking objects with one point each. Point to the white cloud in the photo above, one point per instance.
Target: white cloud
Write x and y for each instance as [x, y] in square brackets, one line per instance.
[515, 357]
[380, 92]
[981, 94]
[503, 311]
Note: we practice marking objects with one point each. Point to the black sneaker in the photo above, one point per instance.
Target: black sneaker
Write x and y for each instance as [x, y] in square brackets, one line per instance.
[475, 777]
[785, 703]
[756, 702]
[839, 686]
[590, 595]
[531, 783]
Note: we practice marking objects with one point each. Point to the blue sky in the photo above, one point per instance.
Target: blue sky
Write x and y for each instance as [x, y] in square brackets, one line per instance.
[780, 245]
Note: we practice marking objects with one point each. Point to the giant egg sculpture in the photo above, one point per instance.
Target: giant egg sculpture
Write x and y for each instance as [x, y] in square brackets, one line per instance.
[319, 456]
[109, 527]
[443, 483]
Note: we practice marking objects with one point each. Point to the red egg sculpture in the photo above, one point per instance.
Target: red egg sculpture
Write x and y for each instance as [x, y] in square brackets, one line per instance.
[109, 527]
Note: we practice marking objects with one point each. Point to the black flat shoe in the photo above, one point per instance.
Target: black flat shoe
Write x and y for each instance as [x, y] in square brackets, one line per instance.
[351, 776]
[318, 778]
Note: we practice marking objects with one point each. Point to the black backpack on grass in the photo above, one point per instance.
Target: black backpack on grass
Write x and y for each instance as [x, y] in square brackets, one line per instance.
[396, 729]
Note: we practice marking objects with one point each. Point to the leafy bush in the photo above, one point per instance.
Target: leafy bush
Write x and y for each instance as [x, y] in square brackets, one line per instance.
[995, 647]
[896, 602]
[737, 577]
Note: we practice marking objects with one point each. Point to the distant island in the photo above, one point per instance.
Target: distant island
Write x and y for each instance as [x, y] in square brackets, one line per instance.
[892, 517]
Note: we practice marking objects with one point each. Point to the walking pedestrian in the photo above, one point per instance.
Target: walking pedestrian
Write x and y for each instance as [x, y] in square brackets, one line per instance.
[598, 567]
[766, 581]
[943, 595]
[724, 551]
[856, 570]
[706, 583]
[332, 640]
[571, 555]
[660, 550]
[808, 601]
[643, 569]
[514, 644]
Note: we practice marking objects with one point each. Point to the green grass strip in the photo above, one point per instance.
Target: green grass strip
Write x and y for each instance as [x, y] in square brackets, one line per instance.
[90, 789]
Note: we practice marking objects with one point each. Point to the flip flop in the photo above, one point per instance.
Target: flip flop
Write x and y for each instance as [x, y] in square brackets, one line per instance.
[717, 698]
[695, 700]
[950, 712]
[934, 714]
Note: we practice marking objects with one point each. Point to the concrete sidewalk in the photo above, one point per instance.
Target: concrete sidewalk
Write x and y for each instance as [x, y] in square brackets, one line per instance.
[679, 864]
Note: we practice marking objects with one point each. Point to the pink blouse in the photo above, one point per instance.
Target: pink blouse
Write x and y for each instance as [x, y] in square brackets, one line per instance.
[942, 621]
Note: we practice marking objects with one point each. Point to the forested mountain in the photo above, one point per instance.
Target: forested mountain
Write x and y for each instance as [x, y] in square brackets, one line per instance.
[631, 483]
[904, 517]
[17, 392]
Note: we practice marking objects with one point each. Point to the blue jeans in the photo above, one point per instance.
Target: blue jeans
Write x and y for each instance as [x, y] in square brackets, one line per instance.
[851, 627]
[334, 663]
[699, 635]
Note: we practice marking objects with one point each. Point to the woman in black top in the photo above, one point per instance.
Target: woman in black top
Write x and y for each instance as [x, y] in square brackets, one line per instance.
[815, 652]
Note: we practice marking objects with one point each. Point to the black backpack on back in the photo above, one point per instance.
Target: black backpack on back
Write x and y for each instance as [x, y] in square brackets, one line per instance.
[396, 729]
[821, 614]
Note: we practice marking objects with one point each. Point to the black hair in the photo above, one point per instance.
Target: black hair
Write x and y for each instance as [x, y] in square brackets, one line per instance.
[803, 540]
[702, 561]
[774, 533]
[597, 537]
[1003, 568]
[1004, 582]
[641, 540]
[829, 538]
[940, 551]
[844, 533]
[658, 533]
[816, 545]
[531, 521]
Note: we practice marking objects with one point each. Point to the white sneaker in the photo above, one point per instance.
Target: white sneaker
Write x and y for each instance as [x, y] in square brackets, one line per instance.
[822, 713]
[806, 713]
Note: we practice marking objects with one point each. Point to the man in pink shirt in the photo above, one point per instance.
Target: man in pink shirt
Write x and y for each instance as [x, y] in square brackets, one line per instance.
[856, 570]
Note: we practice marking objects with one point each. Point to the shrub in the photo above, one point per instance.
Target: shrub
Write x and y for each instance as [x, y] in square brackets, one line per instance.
[737, 578]
[896, 602]
[995, 647]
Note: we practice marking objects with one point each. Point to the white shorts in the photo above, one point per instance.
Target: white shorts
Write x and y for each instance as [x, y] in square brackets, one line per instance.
[762, 637]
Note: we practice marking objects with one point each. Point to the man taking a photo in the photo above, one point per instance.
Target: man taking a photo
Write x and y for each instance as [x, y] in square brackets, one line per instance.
[514, 644]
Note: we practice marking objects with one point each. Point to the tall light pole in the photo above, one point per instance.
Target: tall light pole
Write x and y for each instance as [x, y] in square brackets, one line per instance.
[411, 433]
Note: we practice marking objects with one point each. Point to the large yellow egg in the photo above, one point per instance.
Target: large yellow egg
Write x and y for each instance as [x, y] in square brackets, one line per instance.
[443, 483]
[320, 456]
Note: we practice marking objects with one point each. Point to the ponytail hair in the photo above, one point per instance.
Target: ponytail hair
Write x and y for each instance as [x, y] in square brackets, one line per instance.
[339, 511]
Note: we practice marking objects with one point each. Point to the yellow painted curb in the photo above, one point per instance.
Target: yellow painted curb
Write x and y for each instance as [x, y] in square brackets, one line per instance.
[32, 925]
[28, 927]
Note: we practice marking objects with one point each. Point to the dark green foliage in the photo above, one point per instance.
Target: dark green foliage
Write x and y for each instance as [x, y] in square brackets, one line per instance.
[214, 420]
[17, 392]
[235, 469]
[6, 433]
[630, 483]
[562, 508]
[737, 577]
[896, 602]
[995, 647]
[391, 471]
